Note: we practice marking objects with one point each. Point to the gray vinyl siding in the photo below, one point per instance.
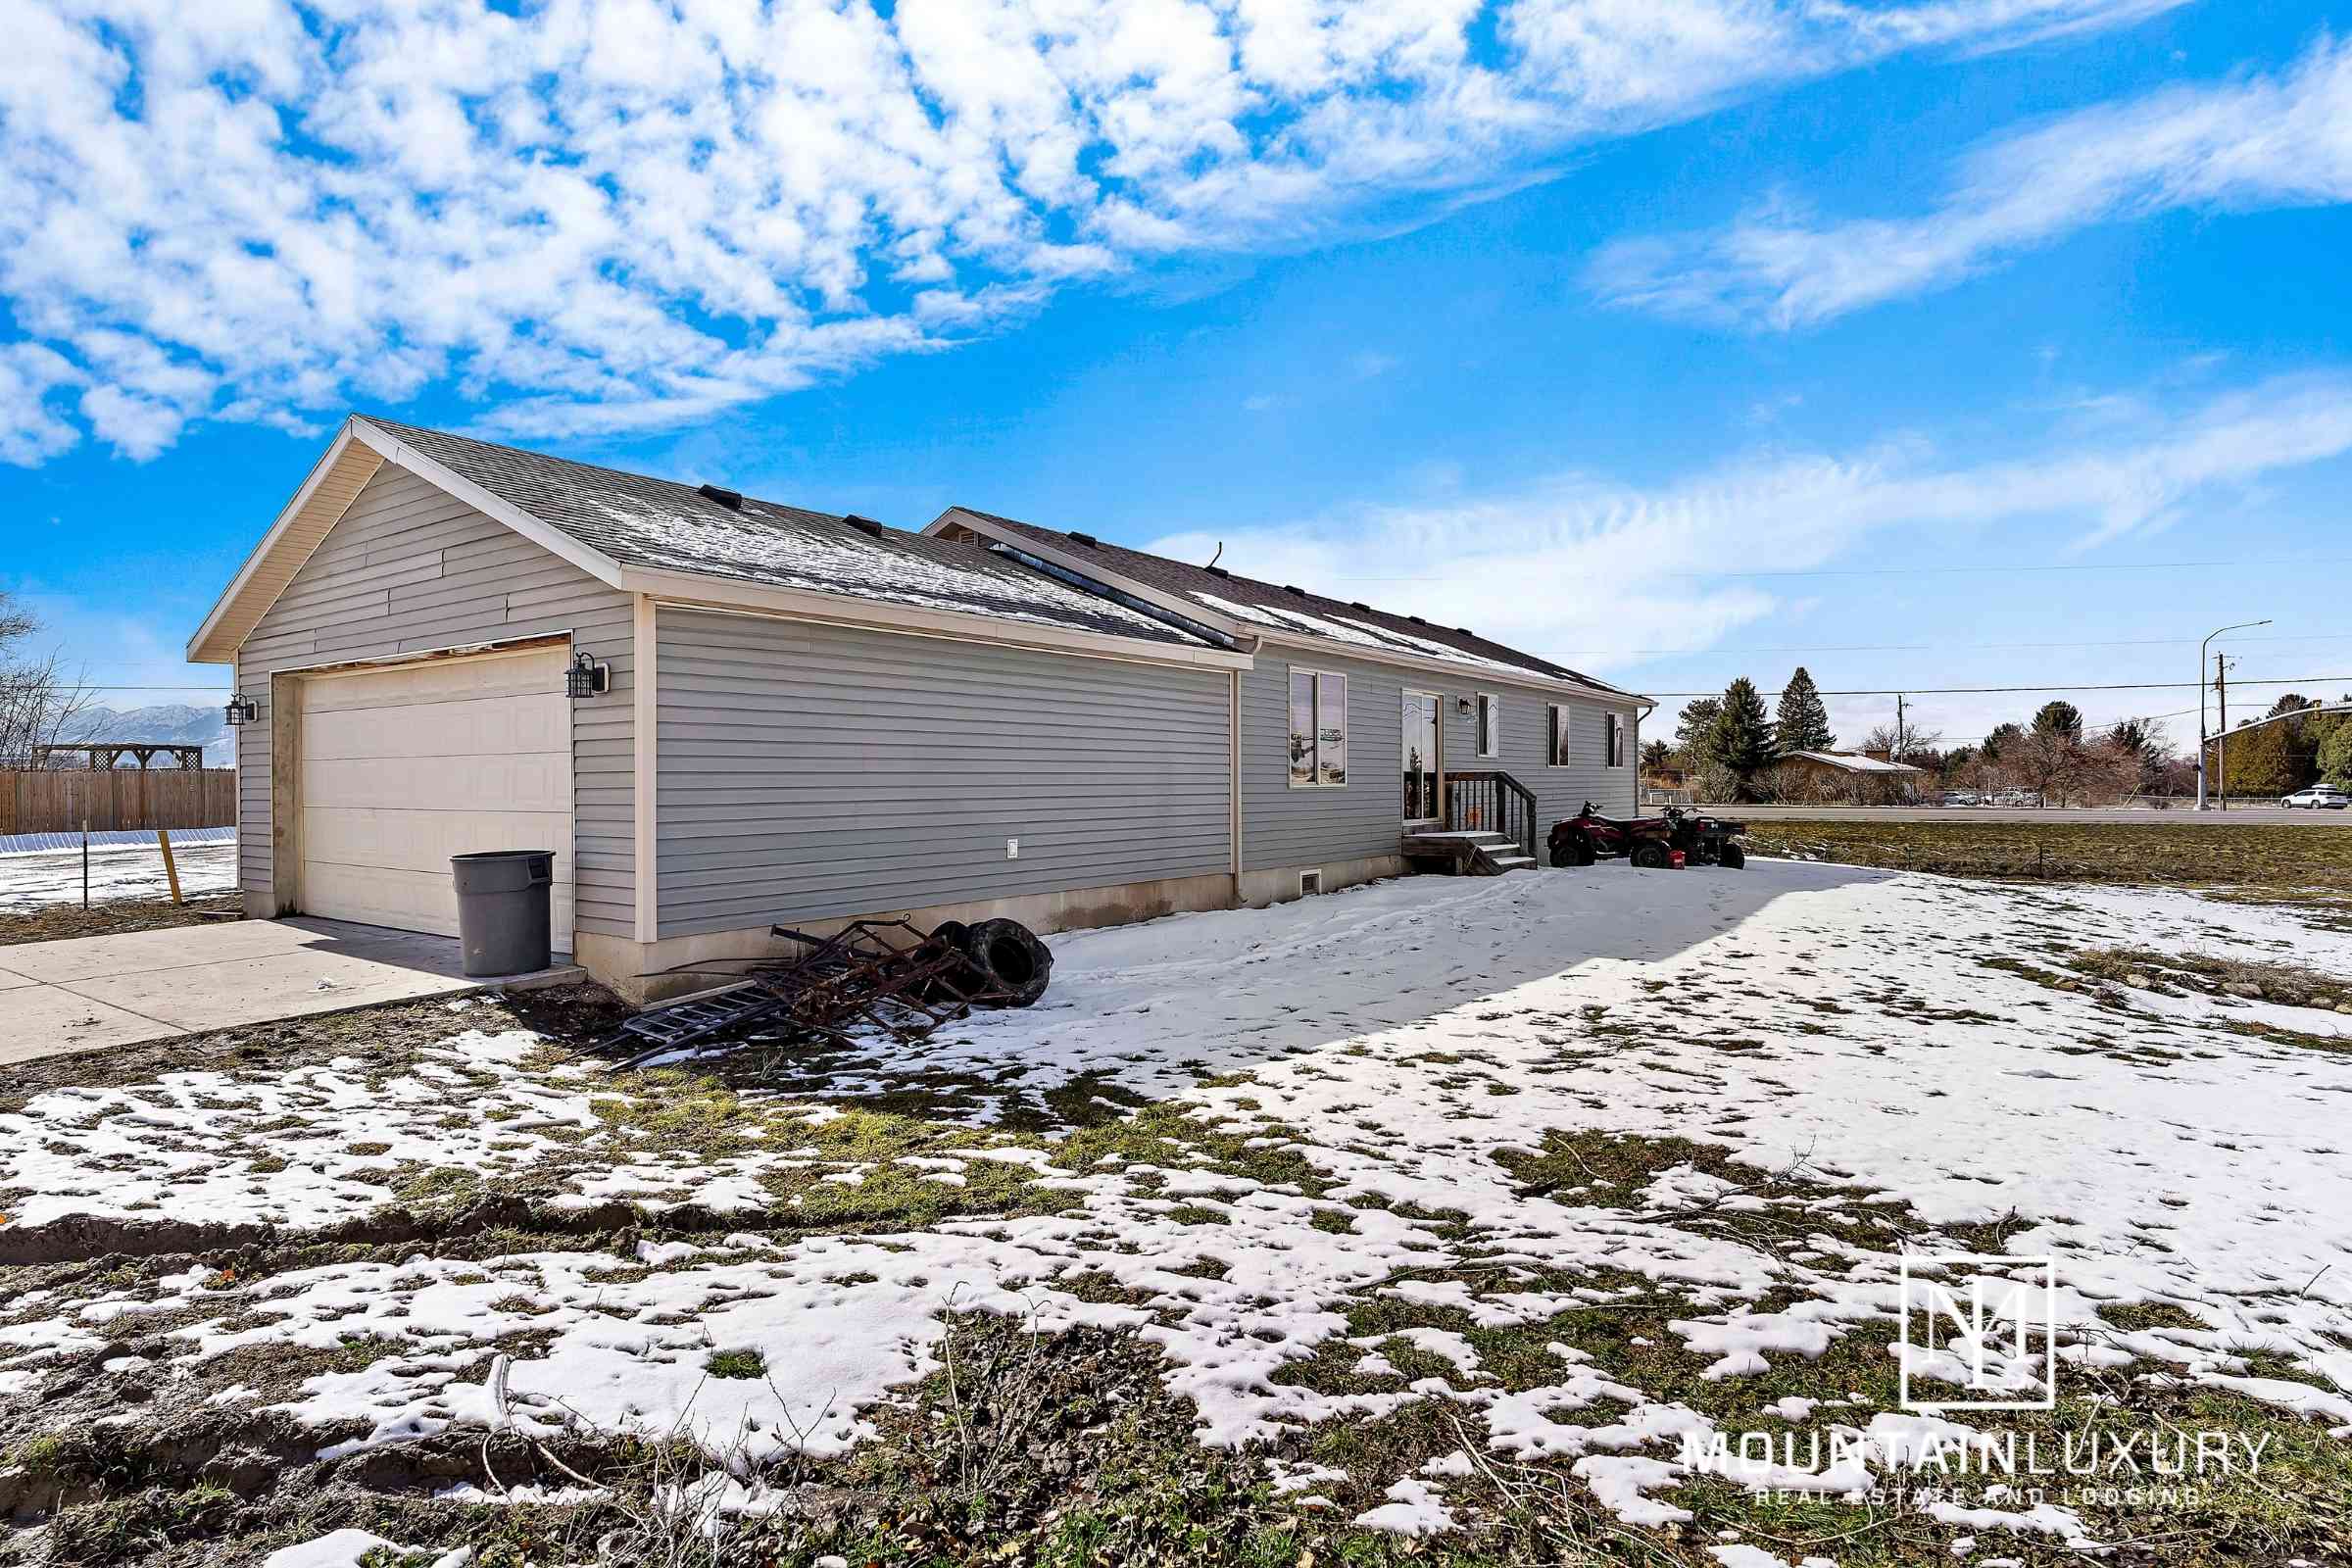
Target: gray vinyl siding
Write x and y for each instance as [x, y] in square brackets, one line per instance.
[1284, 826]
[410, 568]
[809, 772]
[1560, 791]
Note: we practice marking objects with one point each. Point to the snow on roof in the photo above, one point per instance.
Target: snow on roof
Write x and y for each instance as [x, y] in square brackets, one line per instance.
[662, 525]
[1854, 763]
[1296, 610]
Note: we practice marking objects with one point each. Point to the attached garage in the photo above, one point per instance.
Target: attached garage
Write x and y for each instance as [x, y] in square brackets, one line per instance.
[401, 768]
[786, 714]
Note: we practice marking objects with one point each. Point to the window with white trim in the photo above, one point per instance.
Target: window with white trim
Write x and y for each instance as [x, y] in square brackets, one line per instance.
[1490, 724]
[1318, 729]
[1555, 736]
[1616, 740]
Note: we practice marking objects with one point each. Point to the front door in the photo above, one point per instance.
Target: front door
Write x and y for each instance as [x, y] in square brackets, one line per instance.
[1420, 757]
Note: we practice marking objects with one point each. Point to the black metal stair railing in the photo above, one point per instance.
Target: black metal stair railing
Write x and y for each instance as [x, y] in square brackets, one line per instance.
[1491, 800]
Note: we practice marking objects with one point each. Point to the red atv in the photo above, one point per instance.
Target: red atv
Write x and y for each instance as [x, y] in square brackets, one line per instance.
[1654, 842]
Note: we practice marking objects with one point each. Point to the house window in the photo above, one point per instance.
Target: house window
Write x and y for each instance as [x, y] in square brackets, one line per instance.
[1616, 740]
[1318, 729]
[1555, 737]
[1490, 724]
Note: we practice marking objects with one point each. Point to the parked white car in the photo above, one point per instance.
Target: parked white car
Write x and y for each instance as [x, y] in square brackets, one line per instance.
[2319, 797]
[1960, 798]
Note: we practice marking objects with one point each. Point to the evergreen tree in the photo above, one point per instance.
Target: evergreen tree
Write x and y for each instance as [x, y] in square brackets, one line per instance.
[1804, 722]
[2258, 762]
[1691, 729]
[1740, 738]
[2060, 719]
[2002, 741]
[2335, 756]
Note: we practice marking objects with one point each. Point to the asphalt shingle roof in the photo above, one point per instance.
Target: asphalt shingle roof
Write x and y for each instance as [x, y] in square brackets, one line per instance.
[1281, 607]
[657, 523]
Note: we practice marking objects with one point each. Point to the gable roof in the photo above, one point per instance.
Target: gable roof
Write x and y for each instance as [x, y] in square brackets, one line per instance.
[641, 533]
[1229, 602]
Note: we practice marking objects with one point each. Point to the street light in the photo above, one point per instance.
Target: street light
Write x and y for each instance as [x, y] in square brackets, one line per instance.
[2201, 646]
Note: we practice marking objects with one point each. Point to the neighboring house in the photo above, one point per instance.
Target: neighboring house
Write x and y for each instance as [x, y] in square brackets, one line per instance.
[793, 716]
[1852, 776]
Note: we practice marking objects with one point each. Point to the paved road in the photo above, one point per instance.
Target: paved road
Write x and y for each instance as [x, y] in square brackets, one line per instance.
[2060, 817]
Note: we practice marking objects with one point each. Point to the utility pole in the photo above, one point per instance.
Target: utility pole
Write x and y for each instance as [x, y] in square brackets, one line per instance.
[2221, 739]
[1897, 755]
[2202, 746]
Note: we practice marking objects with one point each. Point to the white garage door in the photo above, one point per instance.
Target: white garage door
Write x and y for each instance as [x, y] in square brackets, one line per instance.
[404, 767]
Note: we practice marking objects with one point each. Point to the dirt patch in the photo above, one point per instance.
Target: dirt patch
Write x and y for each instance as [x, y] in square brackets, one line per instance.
[55, 922]
[573, 1018]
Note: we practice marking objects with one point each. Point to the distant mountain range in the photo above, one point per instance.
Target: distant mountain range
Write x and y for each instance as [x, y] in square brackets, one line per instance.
[176, 722]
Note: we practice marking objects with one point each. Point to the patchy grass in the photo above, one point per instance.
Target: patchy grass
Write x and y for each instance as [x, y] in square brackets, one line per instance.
[2267, 863]
[2289, 985]
[746, 1364]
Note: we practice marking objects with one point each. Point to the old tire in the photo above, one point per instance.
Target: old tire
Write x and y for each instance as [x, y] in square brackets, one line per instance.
[1011, 961]
[1733, 857]
[1649, 857]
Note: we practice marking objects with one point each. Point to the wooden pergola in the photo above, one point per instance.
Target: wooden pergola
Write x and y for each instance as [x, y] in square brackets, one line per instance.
[109, 754]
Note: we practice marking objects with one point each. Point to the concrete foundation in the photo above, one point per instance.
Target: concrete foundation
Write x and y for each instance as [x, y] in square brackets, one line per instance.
[1261, 888]
[635, 969]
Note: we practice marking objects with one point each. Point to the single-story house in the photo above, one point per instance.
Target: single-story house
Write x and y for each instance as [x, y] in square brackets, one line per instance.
[1856, 777]
[721, 712]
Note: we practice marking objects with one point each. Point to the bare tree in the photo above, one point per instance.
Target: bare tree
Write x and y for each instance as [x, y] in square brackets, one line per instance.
[37, 696]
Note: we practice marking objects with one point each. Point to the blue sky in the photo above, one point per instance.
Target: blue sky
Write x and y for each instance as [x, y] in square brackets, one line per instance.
[1680, 339]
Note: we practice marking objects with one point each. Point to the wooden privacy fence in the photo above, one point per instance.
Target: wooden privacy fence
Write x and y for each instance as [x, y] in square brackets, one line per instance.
[60, 800]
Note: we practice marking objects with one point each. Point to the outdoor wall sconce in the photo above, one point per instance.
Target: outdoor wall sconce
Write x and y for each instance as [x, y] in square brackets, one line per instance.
[1461, 705]
[241, 709]
[587, 679]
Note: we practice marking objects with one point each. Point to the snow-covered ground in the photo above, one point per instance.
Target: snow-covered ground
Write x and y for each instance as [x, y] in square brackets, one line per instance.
[30, 880]
[1859, 1040]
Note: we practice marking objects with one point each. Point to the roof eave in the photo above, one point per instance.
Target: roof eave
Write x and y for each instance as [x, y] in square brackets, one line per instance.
[701, 591]
[1335, 649]
[1247, 632]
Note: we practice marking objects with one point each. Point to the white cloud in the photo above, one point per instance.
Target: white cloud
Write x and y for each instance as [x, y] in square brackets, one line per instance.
[619, 213]
[1576, 563]
[30, 428]
[2262, 141]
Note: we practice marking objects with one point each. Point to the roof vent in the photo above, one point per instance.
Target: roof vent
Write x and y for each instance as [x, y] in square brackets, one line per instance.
[1416, 620]
[1085, 539]
[1359, 603]
[865, 525]
[1219, 571]
[1465, 631]
[1294, 588]
[732, 500]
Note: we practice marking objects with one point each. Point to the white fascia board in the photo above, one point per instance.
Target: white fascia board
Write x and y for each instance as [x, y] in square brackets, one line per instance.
[197, 650]
[1481, 674]
[555, 541]
[692, 591]
[1086, 566]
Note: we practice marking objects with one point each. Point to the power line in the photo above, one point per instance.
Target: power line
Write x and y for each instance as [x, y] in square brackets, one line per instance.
[1940, 572]
[1902, 648]
[1981, 691]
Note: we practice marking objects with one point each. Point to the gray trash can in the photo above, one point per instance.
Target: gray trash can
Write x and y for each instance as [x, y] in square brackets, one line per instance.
[503, 920]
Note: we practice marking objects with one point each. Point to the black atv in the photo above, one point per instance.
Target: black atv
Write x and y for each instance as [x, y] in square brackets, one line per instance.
[1706, 840]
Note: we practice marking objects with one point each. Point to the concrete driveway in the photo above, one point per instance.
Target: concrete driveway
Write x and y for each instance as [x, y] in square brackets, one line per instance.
[92, 992]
